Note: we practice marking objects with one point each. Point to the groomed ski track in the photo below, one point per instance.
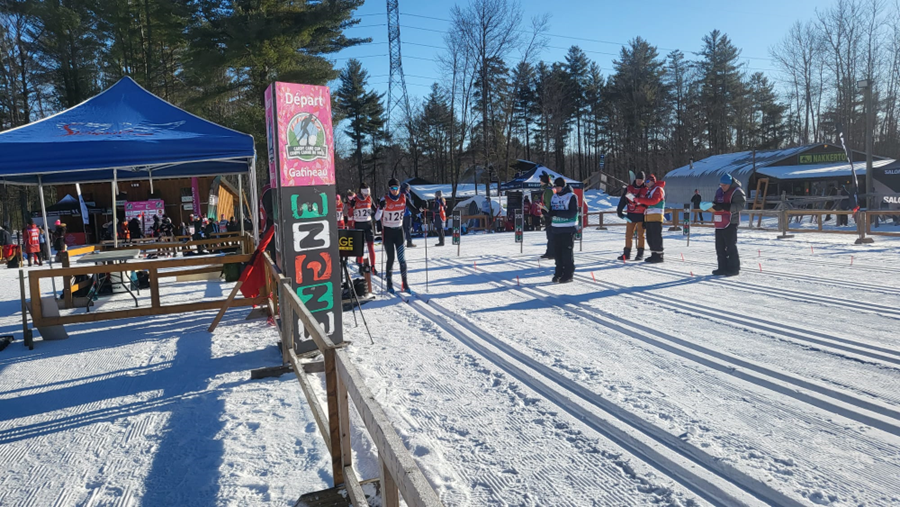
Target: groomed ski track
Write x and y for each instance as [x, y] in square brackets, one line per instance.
[763, 396]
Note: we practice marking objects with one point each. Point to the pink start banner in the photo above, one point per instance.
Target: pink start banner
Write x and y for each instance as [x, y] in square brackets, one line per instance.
[305, 138]
[270, 135]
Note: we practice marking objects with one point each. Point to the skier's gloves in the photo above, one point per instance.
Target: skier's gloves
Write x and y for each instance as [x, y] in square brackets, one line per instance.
[706, 205]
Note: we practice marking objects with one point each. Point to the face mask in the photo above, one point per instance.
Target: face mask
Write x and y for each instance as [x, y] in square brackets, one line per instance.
[364, 192]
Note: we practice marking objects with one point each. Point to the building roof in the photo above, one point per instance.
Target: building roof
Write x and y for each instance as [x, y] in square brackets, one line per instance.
[705, 174]
[817, 171]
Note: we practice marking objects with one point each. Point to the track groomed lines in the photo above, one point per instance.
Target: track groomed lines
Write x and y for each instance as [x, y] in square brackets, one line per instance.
[804, 278]
[831, 400]
[875, 308]
[714, 479]
[865, 351]
[780, 329]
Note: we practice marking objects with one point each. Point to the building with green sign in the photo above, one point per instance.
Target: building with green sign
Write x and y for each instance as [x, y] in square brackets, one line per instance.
[819, 169]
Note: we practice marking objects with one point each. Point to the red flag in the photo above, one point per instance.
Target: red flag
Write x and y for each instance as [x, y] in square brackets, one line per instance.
[254, 275]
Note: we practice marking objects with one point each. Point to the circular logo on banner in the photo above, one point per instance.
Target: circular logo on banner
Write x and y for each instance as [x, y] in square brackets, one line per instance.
[306, 138]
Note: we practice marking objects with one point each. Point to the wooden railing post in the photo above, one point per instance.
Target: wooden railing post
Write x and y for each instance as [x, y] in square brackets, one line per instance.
[154, 288]
[68, 301]
[26, 333]
[34, 283]
[601, 227]
[287, 321]
[675, 221]
[334, 417]
[862, 225]
[390, 495]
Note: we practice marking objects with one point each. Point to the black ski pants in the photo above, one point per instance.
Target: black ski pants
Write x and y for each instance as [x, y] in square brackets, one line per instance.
[407, 226]
[654, 236]
[549, 236]
[563, 245]
[394, 246]
[439, 228]
[726, 249]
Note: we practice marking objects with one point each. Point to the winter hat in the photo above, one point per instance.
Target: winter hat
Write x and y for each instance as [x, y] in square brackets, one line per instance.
[393, 182]
[727, 179]
[559, 182]
[651, 178]
[438, 193]
[640, 175]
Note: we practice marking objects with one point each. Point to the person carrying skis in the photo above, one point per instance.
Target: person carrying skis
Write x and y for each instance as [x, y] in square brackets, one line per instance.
[439, 215]
[729, 202]
[546, 198]
[563, 216]
[391, 209]
[407, 216]
[655, 202]
[363, 210]
[634, 216]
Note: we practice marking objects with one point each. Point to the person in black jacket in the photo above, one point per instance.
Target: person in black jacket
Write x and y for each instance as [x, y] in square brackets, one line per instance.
[563, 215]
[695, 204]
[727, 206]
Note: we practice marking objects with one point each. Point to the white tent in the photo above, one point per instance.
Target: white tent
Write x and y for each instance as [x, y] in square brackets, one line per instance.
[496, 205]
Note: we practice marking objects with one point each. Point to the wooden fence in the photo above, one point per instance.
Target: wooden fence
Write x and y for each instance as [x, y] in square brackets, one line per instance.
[153, 268]
[400, 475]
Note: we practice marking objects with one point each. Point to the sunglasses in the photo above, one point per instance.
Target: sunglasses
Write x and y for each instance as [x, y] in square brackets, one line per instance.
[395, 188]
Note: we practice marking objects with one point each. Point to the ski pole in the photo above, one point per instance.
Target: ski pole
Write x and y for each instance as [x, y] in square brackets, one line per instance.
[353, 292]
[426, 251]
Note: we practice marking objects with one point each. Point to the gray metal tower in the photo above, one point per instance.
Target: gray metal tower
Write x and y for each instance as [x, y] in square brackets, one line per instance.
[397, 97]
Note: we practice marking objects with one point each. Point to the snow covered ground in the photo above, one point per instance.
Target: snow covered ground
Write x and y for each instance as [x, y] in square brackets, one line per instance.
[635, 385]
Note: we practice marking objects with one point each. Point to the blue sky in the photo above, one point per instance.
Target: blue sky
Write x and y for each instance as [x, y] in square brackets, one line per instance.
[754, 28]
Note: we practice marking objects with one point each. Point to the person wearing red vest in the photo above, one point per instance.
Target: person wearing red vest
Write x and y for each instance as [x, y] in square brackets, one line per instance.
[339, 210]
[654, 202]
[633, 213]
[729, 202]
[33, 243]
[363, 210]
[391, 210]
[439, 216]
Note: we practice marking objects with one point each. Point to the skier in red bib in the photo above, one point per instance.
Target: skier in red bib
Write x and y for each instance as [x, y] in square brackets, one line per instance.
[391, 210]
[33, 243]
[339, 211]
[363, 210]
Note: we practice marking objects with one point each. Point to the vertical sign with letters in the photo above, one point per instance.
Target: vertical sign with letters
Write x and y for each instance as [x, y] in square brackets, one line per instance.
[303, 145]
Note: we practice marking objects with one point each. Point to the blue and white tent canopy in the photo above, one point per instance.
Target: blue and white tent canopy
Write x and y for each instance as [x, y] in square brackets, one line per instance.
[125, 128]
[529, 177]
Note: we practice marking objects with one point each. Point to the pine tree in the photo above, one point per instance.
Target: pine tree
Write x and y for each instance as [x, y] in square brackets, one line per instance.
[577, 66]
[721, 87]
[361, 107]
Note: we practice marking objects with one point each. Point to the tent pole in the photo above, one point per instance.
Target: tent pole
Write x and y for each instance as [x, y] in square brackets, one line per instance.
[240, 202]
[151, 180]
[115, 228]
[46, 230]
[254, 202]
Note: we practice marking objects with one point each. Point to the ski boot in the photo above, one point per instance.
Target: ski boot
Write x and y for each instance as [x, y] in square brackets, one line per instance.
[410, 244]
[640, 254]
[626, 254]
[405, 287]
[655, 258]
[555, 279]
[388, 283]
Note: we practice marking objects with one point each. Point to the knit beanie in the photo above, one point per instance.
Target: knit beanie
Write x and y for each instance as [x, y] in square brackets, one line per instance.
[727, 179]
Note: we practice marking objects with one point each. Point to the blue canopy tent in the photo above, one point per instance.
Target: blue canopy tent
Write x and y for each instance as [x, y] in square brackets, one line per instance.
[124, 133]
